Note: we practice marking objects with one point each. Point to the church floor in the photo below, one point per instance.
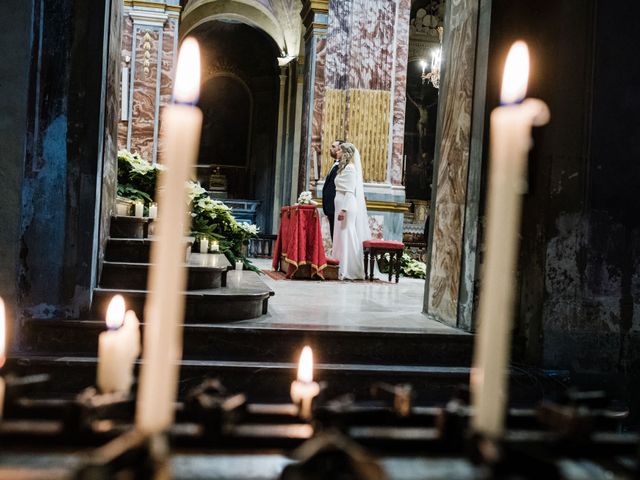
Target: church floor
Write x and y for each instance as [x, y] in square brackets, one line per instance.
[359, 306]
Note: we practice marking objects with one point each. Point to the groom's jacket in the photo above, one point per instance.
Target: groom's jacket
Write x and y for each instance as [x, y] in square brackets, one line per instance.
[329, 191]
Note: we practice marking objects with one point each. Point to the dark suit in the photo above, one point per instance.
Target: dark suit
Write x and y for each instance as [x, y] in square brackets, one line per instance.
[329, 195]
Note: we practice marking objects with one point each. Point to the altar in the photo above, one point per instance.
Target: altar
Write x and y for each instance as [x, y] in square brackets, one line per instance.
[299, 251]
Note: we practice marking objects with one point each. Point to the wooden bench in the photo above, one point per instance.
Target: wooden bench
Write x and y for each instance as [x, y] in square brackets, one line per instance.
[373, 248]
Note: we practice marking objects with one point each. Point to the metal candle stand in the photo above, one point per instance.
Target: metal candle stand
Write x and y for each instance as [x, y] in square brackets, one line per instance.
[210, 417]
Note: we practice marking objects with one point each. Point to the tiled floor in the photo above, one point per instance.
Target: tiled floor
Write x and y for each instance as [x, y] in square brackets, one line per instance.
[335, 305]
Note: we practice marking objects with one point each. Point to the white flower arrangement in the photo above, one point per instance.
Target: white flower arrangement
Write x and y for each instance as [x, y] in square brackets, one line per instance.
[305, 198]
[249, 228]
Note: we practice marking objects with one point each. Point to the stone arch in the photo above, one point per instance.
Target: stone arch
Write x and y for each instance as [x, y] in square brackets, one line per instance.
[253, 13]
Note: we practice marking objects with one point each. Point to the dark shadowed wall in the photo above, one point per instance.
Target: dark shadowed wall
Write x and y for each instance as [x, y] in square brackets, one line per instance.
[580, 263]
[62, 157]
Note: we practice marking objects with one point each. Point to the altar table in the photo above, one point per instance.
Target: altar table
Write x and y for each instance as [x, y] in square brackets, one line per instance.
[299, 242]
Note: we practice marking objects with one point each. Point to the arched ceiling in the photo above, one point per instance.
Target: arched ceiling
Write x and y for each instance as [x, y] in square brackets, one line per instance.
[280, 19]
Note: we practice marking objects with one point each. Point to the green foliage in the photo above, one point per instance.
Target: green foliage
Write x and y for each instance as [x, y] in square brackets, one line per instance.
[136, 176]
[409, 267]
[211, 219]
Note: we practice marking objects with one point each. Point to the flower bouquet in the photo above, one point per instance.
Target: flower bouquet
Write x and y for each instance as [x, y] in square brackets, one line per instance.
[305, 198]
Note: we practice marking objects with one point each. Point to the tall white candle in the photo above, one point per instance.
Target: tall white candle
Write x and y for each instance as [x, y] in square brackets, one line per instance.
[304, 389]
[139, 209]
[3, 323]
[118, 348]
[204, 245]
[510, 132]
[153, 210]
[164, 309]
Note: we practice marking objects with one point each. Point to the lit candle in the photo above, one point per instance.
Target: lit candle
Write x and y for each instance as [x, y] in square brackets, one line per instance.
[204, 245]
[164, 309]
[423, 64]
[139, 209]
[153, 210]
[3, 327]
[118, 349]
[215, 246]
[511, 126]
[239, 265]
[304, 389]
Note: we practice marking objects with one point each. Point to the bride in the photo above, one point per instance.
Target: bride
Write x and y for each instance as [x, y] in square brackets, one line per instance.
[351, 220]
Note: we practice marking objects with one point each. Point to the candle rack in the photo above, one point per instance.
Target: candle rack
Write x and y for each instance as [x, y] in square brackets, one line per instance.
[579, 426]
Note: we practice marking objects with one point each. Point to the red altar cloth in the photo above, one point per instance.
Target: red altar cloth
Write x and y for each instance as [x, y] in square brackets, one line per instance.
[300, 240]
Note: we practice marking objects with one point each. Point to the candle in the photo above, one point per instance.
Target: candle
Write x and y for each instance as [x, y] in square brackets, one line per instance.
[164, 309]
[204, 245]
[215, 246]
[423, 64]
[118, 348]
[153, 210]
[511, 126]
[3, 322]
[139, 209]
[304, 389]
[239, 265]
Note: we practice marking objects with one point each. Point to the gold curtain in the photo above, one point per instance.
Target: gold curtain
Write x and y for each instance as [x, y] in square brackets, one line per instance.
[362, 118]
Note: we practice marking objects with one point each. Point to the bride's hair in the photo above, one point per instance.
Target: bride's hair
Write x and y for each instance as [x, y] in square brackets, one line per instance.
[348, 150]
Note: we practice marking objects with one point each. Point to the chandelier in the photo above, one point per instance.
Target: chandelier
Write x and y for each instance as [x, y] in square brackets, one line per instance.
[434, 75]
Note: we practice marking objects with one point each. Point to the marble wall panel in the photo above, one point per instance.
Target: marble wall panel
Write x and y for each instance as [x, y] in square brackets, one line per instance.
[338, 44]
[127, 45]
[367, 48]
[319, 91]
[305, 138]
[400, 89]
[453, 161]
[372, 44]
[376, 225]
[168, 63]
[145, 91]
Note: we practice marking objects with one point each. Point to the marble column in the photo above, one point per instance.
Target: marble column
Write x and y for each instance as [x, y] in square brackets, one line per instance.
[280, 161]
[355, 86]
[149, 50]
[452, 217]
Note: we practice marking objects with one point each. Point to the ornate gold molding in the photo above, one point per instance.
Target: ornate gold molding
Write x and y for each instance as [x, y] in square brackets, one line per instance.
[156, 5]
[308, 13]
[381, 206]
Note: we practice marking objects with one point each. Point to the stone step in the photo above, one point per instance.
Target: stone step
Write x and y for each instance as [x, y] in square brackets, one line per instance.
[129, 227]
[255, 343]
[133, 276]
[270, 381]
[261, 381]
[133, 250]
[241, 299]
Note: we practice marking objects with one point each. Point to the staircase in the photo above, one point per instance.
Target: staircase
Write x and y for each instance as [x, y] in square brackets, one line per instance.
[251, 356]
[208, 297]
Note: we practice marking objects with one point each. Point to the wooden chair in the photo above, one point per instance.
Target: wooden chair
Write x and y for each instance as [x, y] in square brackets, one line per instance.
[373, 248]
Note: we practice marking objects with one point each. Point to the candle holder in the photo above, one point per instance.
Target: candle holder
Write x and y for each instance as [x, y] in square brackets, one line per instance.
[132, 455]
[332, 455]
[398, 397]
[214, 409]
[91, 410]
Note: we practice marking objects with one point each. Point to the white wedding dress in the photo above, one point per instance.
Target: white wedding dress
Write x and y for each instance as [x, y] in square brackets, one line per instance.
[349, 233]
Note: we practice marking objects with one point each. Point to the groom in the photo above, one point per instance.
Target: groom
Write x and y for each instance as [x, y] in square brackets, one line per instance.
[329, 187]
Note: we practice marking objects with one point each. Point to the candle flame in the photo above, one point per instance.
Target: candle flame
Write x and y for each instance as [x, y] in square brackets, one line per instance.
[305, 367]
[3, 327]
[115, 312]
[187, 86]
[516, 74]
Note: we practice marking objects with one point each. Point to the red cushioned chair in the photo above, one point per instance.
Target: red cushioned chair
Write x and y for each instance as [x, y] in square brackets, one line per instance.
[373, 248]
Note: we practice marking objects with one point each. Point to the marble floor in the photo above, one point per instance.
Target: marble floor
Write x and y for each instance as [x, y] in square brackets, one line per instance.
[359, 306]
